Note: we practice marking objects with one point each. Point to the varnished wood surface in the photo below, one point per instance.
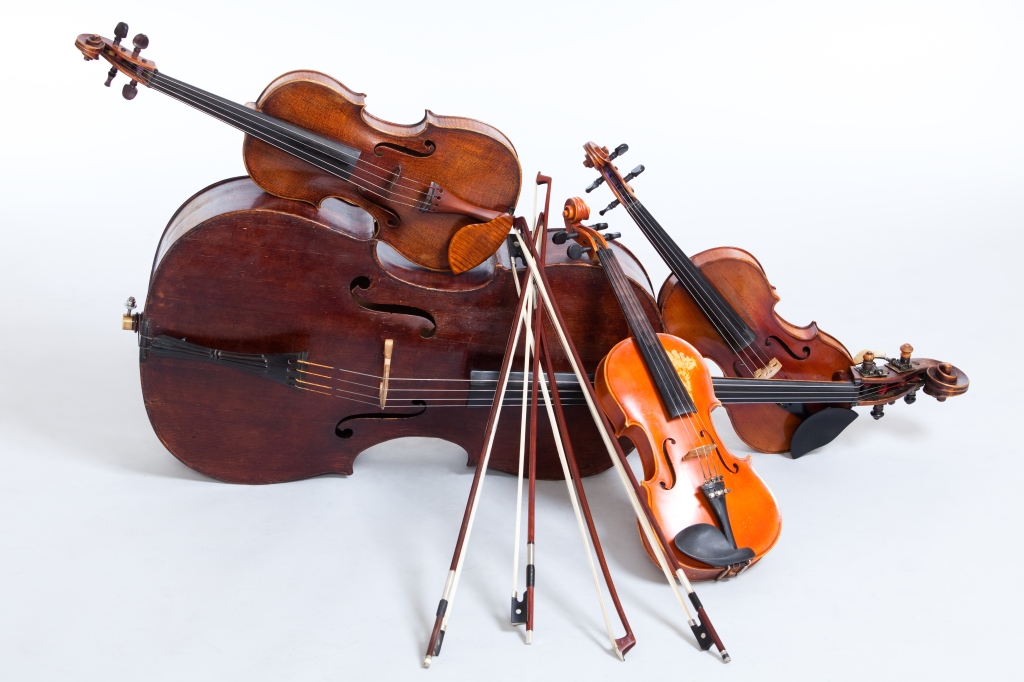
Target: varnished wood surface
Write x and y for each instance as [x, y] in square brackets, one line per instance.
[467, 158]
[812, 354]
[630, 399]
[240, 270]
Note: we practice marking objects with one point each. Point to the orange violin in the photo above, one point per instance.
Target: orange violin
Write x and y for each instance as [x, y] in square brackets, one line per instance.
[656, 390]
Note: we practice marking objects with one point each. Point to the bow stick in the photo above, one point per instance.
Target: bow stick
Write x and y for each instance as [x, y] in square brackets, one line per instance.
[701, 626]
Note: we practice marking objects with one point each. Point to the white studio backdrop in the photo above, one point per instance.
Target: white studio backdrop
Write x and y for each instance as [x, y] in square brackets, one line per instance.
[869, 155]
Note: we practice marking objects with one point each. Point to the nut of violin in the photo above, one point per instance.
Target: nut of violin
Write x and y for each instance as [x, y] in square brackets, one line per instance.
[905, 351]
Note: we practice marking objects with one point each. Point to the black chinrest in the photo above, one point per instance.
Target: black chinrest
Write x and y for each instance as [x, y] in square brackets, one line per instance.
[708, 544]
[820, 429]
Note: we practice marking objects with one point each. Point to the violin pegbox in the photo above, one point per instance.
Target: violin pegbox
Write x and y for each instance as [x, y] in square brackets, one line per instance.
[130, 63]
[587, 240]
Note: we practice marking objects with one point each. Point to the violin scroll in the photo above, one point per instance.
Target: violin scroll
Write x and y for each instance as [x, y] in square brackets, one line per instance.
[130, 63]
[942, 380]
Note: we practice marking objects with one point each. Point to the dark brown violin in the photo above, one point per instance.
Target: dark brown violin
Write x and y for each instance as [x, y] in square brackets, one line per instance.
[656, 390]
[722, 302]
[441, 191]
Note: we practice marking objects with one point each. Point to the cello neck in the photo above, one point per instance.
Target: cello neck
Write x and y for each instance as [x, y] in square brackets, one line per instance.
[674, 396]
[327, 155]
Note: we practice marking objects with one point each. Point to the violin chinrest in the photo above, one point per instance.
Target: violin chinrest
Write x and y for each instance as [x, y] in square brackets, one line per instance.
[708, 544]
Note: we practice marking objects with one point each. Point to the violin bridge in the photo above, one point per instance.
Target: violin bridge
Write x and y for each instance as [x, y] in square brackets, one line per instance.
[389, 345]
[769, 370]
[704, 451]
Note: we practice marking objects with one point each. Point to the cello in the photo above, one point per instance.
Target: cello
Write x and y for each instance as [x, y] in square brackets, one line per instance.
[723, 304]
[441, 191]
[656, 391]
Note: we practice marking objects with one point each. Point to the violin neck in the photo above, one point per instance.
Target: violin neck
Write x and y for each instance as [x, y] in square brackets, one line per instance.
[327, 155]
[719, 312]
[673, 394]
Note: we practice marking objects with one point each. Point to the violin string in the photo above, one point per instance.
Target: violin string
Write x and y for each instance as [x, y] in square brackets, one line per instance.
[303, 155]
[704, 302]
[253, 114]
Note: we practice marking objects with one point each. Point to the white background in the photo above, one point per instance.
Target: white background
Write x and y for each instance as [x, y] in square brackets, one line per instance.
[869, 154]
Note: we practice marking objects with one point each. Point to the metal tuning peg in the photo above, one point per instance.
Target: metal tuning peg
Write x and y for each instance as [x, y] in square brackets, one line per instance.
[141, 42]
[599, 226]
[609, 207]
[120, 32]
[619, 151]
[562, 236]
[635, 172]
[595, 184]
[612, 236]
[575, 251]
[130, 90]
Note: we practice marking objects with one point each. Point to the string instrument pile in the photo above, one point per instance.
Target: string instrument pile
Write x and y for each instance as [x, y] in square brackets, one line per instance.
[368, 281]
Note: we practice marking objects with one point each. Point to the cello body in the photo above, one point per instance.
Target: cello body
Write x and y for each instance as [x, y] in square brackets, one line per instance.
[239, 272]
[805, 353]
[673, 475]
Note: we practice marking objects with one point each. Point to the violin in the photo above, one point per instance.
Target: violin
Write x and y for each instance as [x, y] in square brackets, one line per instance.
[656, 390]
[722, 303]
[278, 340]
[442, 191]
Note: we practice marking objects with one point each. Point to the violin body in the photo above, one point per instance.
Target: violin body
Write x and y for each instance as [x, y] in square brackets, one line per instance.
[241, 275]
[673, 474]
[805, 353]
[470, 160]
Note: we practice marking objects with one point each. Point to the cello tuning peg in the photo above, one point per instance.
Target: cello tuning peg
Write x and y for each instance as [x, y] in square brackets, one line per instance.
[110, 75]
[130, 90]
[562, 236]
[635, 172]
[595, 184]
[599, 226]
[619, 151]
[120, 31]
[141, 42]
[609, 207]
[575, 251]
[612, 236]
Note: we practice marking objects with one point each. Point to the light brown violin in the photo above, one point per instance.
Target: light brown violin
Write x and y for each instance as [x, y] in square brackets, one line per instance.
[441, 191]
[656, 390]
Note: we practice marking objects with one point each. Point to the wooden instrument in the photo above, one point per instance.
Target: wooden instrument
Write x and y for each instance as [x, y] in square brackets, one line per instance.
[722, 303]
[656, 391]
[441, 191]
[278, 341]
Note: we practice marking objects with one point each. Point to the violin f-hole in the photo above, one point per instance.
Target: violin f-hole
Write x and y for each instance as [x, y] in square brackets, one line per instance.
[668, 463]
[807, 349]
[378, 149]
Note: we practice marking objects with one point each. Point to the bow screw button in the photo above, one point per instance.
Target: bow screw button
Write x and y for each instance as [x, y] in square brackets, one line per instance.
[141, 42]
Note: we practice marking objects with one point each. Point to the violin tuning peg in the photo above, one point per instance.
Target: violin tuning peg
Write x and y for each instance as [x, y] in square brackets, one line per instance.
[635, 172]
[619, 151]
[562, 236]
[599, 226]
[130, 90]
[110, 75]
[120, 31]
[594, 185]
[575, 251]
[609, 207]
[141, 42]
[612, 236]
